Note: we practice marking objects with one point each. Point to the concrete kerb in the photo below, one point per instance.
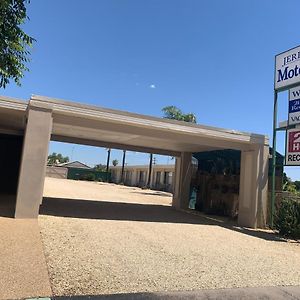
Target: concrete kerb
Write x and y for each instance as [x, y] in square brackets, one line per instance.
[258, 293]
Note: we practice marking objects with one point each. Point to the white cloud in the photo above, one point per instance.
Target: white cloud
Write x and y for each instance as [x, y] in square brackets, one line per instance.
[152, 86]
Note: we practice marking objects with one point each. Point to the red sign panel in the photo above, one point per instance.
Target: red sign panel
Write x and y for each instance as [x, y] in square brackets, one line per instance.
[292, 153]
[294, 141]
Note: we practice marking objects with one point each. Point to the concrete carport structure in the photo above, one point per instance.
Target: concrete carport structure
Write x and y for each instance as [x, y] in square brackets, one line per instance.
[42, 119]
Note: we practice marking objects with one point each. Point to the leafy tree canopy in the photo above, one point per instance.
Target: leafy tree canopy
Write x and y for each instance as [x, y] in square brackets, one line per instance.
[14, 42]
[115, 162]
[289, 185]
[57, 158]
[297, 184]
[100, 168]
[174, 113]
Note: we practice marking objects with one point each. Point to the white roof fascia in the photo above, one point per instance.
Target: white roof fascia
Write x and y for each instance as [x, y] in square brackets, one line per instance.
[115, 116]
[13, 103]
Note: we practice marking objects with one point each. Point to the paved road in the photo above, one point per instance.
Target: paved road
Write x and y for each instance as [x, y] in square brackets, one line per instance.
[262, 293]
[23, 269]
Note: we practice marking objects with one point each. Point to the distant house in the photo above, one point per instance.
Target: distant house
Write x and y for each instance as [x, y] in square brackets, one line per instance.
[74, 165]
[65, 170]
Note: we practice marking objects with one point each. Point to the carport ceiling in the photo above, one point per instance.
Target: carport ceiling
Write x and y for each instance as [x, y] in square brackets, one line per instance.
[122, 140]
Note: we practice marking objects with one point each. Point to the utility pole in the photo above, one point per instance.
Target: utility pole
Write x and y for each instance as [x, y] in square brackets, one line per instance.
[150, 170]
[123, 166]
[107, 163]
[273, 190]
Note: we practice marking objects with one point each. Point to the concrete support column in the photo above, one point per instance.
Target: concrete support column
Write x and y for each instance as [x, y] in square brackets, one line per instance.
[173, 182]
[183, 175]
[152, 182]
[34, 160]
[118, 176]
[253, 195]
[133, 177]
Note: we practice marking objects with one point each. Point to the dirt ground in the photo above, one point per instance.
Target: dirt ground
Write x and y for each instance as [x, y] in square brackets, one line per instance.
[73, 189]
[104, 239]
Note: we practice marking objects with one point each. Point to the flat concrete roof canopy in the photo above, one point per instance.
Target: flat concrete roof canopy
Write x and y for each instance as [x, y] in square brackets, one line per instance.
[42, 119]
[92, 125]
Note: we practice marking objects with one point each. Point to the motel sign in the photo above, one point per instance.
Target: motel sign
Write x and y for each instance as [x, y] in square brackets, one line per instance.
[292, 153]
[294, 106]
[287, 69]
[287, 77]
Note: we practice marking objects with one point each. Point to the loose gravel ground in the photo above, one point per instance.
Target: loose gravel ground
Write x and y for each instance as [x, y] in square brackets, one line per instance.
[116, 243]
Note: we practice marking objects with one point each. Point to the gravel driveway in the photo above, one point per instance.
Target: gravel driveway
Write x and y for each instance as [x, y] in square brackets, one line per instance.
[115, 242]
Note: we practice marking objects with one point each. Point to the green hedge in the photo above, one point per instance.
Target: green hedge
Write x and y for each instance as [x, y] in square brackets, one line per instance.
[287, 219]
[88, 177]
[88, 174]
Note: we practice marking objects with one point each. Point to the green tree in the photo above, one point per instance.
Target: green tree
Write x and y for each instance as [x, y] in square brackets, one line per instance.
[14, 42]
[100, 168]
[297, 184]
[115, 162]
[288, 184]
[57, 158]
[174, 113]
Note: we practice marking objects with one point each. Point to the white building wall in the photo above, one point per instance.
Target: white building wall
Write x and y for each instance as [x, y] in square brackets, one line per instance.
[135, 176]
[57, 172]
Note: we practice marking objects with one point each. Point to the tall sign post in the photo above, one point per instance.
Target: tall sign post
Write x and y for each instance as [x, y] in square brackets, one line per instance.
[287, 77]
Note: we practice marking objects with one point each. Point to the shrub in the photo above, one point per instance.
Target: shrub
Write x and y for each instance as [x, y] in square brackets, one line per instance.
[287, 219]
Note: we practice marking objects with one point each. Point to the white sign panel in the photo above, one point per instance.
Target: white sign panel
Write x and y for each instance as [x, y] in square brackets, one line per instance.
[292, 152]
[294, 106]
[287, 68]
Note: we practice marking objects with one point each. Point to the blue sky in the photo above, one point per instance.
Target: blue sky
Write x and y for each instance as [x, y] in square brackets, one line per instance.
[213, 58]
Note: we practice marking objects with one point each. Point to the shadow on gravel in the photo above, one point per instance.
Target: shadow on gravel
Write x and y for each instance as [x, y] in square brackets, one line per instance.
[153, 194]
[133, 296]
[104, 210]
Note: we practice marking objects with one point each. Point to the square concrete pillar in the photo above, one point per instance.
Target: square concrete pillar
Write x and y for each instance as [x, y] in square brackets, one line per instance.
[34, 160]
[253, 195]
[134, 177]
[182, 182]
[152, 179]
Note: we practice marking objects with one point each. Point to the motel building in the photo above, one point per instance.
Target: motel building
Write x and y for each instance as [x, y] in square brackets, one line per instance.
[161, 176]
[27, 127]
